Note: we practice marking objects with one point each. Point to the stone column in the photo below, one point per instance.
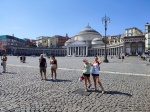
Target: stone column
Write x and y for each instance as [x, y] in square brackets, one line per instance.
[83, 50]
[136, 48]
[78, 51]
[86, 50]
[71, 51]
[67, 51]
[113, 51]
[120, 49]
[110, 51]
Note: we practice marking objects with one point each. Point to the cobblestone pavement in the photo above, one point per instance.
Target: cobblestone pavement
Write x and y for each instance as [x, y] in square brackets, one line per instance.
[127, 87]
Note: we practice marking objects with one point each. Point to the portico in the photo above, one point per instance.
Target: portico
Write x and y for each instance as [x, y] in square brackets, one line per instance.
[77, 48]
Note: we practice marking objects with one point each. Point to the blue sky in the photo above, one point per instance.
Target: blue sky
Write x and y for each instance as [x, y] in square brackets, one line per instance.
[33, 18]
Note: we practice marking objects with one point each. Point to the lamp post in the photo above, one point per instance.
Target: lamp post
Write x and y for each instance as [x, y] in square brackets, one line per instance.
[105, 20]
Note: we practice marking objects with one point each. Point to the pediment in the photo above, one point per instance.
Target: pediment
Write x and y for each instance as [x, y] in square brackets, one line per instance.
[77, 43]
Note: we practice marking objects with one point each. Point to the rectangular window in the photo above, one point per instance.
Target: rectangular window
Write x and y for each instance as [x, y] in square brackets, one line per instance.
[148, 36]
[149, 42]
[148, 29]
[129, 31]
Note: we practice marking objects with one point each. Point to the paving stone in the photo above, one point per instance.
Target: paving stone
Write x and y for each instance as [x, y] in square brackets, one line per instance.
[126, 86]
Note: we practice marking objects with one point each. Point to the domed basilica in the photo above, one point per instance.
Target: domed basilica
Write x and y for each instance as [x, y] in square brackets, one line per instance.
[86, 43]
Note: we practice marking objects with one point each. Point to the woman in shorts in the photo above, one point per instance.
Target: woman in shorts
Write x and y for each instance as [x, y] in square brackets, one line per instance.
[86, 73]
[95, 73]
[53, 63]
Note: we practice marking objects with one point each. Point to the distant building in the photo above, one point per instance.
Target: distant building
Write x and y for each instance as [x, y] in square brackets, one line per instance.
[6, 41]
[60, 40]
[42, 41]
[133, 32]
[134, 45]
[33, 41]
[27, 41]
[89, 42]
[147, 37]
[52, 42]
[115, 39]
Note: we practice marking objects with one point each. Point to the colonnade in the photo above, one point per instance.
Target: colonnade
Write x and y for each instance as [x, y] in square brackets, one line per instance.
[77, 51]
[110, 51]
[28, 52]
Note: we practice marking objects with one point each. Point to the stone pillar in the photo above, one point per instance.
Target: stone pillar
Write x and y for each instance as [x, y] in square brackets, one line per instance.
[67, 51]
[71, 51]
[117, 50]
[78, 51]
[83, 50]
[136, 48]
[113, 51]
[110, 51]
[86, 50]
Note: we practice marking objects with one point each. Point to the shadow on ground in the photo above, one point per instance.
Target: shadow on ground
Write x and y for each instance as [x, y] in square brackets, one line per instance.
[10, 72]
[81, 91]
[59, 80]
[7, 73]
[117, 92]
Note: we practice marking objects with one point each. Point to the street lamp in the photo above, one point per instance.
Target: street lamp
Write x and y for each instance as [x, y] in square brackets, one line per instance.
[119, 47]
[105, 20]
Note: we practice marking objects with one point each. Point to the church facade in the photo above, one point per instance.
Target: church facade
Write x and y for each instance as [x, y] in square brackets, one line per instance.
[88, 42]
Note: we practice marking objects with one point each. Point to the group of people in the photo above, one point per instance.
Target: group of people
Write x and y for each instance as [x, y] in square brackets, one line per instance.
[43, 67]
[86, 72]
[94, 72]
[3, 63]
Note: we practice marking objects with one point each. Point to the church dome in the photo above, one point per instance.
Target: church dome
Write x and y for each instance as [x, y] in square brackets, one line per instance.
[88, 29]
[97, 41]
[68, 42]
[87, 34]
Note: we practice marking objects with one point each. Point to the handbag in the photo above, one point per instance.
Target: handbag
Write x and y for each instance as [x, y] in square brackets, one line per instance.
[81, 78]
[1, 63]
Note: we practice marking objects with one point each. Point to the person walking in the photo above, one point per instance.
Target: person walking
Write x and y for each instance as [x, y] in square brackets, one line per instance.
[95, 72]
[122, 57]
[54, 65]
[86, 74]
[4, 59]
[43, 66]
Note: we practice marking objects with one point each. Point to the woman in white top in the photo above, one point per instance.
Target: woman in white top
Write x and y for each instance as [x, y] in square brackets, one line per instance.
[95, 73]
